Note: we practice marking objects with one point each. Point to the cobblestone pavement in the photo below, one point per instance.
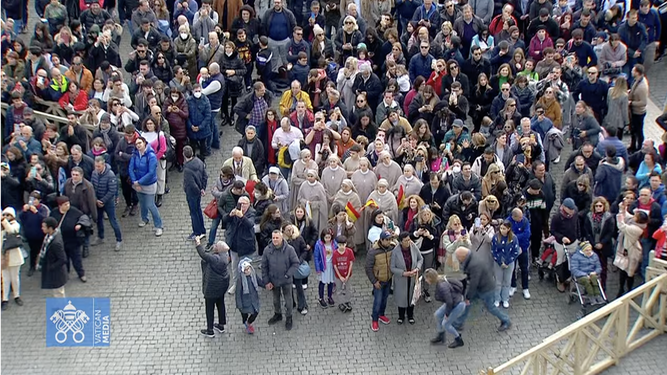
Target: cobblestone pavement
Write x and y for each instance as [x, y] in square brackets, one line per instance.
[157, 310]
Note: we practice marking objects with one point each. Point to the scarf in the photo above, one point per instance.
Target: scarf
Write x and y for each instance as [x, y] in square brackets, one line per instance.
[565, 214]
[44, 249]
[411, 216]
[244, 278]
[105, 136]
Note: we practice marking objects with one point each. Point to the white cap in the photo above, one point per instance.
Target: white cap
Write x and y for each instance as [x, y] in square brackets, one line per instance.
[275, 170]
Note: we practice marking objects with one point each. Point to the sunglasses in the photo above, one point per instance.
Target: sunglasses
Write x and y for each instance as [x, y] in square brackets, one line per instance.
[348, 23]
[423, 47]
[504, 89]
[360, 101]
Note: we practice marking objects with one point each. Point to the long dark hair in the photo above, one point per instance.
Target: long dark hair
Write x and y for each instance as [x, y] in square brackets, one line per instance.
[268, 215]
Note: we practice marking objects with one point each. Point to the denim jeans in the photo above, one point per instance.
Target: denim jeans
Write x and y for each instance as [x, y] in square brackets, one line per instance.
[213, 232]
[300, 294]
[647, 246]
[196, 216]
[503, 281]
[110, 209]
[487, 299]
[147, 203]
[380, 297]
[522, 263]
[444, 323]
[215, 140]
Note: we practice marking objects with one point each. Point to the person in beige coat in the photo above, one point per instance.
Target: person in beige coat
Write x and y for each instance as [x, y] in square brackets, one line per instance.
[638, 99]
[629, 249]
[12, 259]
[241, 165]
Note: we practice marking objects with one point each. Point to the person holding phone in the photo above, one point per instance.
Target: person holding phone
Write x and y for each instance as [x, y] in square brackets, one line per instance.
[240, 233]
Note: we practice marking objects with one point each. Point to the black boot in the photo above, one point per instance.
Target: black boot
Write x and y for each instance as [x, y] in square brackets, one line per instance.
[86, 252]
[275, 319]
[158, 200]
[456, 343]
[439, 339]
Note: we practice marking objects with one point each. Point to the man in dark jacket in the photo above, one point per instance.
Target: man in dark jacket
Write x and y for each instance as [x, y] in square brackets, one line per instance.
[591, 158]
[565, 223]
[240, 234]
[421, 63]
[593, 92]
[480, 284]
[378, 271]
[279, 263]
[82, 196]
[31, 218]
[106, 187]
[467, 181]
[124, 152]
[195, 180]
[646, 203]
[435, 194]
[369, 83]
[633, 34]
[253, 147]
[249, 108]
[464, 205]
[52, 259]
[69, 219]
[609, 176]
[74, 134]
[548, 185]
[450, 292]
[476, 64]
[215, 280]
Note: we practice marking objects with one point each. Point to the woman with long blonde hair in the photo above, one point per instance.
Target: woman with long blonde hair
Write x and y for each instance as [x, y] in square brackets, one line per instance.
[617, 116]
[453, 237]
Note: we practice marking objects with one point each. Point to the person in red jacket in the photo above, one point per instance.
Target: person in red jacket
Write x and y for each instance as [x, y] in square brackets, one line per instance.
[435, 80]
[502, 21]
[74, 99]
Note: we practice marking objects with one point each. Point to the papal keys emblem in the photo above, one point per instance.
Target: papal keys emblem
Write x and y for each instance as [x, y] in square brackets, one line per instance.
[69, 319]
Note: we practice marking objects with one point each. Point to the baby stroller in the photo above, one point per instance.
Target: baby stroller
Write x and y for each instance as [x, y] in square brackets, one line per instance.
[545, 264]
[577, 292]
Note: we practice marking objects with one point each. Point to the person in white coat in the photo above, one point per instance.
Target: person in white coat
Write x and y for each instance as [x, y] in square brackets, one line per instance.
[12, 258]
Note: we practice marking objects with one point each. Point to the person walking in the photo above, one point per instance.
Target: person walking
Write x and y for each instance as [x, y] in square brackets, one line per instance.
[378, 271]
[481, 285]
[279, 264]
[450, 293]
[406, 263]
[106, 188]
[247, 295]
[12, 258]
[82, 196]
[53, 259]
[143, 175]
[215, 280]
[638, 100]
[68, 218]
[195, 180]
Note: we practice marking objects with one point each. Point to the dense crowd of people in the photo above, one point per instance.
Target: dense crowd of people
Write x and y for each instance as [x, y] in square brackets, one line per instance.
[422, 135]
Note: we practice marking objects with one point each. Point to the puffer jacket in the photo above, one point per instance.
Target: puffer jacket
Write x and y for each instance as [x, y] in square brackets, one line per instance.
[199, 111]
[241, 232]
[143, 168]
[105, 185]
[505, 251]
[215, 278]
[609, 178]
[235, 83]
[606, 235]
[279, 264]
[378, 263]
[178, 127]
[582, 265]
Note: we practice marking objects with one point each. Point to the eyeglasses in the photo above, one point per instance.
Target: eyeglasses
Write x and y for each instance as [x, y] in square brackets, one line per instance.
[582, 185]
[395, 49]
[298, 34]
[115, 104]
[450, 6]
[559, 46]
[319, 119]
[423, 47]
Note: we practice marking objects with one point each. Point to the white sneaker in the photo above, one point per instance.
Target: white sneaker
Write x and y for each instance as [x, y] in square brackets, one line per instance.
[496, 304]
[557, 160]
[506, 304]
[304, 311]
[158, 232]
[305, 286]
[231, 289]
[526, 294]
[512, 291]
[293, 286]
[142, 224]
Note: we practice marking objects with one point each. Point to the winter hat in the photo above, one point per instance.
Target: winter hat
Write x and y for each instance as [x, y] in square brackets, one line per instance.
[457, 123]
[9, 211]
[105, 118]
[274, 170]
[585, 246]
[569, 203]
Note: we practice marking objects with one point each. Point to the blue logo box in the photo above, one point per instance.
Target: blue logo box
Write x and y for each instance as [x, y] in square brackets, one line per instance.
[78, 322]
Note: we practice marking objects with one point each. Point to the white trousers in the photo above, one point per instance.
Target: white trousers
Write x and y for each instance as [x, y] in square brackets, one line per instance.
[11, 281]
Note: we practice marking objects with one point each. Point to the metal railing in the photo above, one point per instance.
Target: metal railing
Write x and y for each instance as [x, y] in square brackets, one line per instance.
[601, 339]
[60, 120]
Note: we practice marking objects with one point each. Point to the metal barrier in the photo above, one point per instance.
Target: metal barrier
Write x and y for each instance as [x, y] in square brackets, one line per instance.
[601, 339]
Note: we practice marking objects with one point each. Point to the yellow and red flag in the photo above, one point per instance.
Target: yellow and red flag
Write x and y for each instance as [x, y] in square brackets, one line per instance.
[352, 213]
[370, 203]
[400, 198]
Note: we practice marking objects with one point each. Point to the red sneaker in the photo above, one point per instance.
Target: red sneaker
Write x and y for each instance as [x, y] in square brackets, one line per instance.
[384, 320]
[375, 326]
[250, 329]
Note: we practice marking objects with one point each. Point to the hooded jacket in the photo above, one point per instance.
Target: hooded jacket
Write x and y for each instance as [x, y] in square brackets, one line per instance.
[215, 278]
[609, 178]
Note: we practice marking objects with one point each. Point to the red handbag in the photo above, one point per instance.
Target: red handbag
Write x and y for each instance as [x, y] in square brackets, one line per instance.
[211, 209]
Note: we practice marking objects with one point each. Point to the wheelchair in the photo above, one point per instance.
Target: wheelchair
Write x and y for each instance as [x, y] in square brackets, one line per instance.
[577, 292]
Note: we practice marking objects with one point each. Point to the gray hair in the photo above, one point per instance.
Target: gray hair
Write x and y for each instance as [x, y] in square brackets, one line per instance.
[237, 150]
[221, 246]
[214, 67]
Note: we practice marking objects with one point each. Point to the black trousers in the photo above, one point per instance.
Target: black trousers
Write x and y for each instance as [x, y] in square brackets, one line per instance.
[73, 252]
[225, 106]
[129, 194]
[636, 131]
[248, 318]
[211, 304]
[410, 309]
[624, 280]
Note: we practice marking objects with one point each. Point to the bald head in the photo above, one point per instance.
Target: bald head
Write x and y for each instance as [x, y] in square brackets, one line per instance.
[461, 254]
[55, 72]
[517, 214]
[214, 68]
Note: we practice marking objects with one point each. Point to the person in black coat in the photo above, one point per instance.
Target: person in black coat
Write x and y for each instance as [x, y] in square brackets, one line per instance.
[369, 83]
[308, 231]
[599, 228]
[454, 74]
[53, 260]
[233, 68]
[161, 68]
[254, 149]
[294, 239]
[72, 234]
[215, 280]
[240, 233]
[271, 220]
[244, 106]
[435, 194]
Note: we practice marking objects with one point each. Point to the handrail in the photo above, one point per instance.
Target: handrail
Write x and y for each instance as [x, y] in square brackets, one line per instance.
[47, 116]
[598, 341]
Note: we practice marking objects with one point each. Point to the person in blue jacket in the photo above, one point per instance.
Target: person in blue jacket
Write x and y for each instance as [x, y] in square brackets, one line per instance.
[427, 15]
[505, 249]
[521, 229]
[585, 267]
[650, 18]
[199, 120]
[143, 174]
